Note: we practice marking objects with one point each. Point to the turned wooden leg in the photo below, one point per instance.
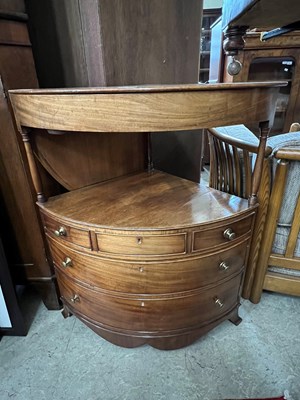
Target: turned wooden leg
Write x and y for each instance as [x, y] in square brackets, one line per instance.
[233, 40]
[33, 167]
[258, 168]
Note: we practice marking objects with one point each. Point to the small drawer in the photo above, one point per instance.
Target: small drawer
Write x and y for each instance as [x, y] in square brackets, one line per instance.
[209, 238]
[142, 244]
[148, 314]
[148, 277]
[65, 233]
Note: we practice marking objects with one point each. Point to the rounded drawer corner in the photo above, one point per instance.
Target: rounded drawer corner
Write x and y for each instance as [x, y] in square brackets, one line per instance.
[230, 232]
[66, 233]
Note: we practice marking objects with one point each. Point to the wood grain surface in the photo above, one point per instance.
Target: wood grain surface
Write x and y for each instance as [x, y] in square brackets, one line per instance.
[145, 109]
[149, 277]
[101, 157]
[152, 313]
[150, 201]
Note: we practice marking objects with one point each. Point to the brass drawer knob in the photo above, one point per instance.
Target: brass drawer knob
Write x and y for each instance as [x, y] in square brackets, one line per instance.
[229, 234]
[218, 302]
[75, 299]
[139, 240]
[67, 262]
[223, 266]
[61, 231]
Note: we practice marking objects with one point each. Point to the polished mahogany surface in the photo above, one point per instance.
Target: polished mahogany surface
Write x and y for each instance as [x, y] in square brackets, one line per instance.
[146, 109]
[146, 278]
[150, 200]
[147, 258]
[152, 88]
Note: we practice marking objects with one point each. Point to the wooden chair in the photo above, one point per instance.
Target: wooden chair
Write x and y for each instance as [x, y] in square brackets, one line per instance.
[274, 260]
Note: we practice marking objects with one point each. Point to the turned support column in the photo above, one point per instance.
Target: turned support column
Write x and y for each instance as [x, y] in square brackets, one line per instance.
[258, 168]
[32, 166]
[233, 42]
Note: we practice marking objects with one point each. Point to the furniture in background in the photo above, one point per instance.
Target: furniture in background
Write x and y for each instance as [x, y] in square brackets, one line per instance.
[147, 257]
[239, 16]
[21, 231]
[274, 262]
[278, 264]
[209, 17]
[277, 58]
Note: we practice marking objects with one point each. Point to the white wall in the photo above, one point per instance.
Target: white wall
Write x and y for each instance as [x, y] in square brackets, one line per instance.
[212, 4]
[4, 317]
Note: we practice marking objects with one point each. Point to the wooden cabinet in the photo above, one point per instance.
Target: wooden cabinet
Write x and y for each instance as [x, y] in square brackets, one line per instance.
[147, 257]
[21, 229]
[136, 272]
[208, 18]
[274, 59]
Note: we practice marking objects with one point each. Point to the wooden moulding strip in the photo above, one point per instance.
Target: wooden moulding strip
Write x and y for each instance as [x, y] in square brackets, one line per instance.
[282, 283]
[278, 260]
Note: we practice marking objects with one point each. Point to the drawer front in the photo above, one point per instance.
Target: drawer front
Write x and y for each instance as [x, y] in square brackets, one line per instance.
[142, 244]
[135, 313]
[209, 238]
[149, 278]
[65, 233]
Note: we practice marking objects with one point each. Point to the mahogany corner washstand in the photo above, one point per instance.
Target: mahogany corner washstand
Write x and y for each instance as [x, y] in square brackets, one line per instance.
[147, 257]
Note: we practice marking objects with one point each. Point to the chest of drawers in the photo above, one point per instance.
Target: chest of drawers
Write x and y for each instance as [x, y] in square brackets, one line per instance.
[149, 257]
[163, 266]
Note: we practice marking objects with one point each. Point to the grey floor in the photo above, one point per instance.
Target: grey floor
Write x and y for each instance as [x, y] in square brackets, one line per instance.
[63, 359]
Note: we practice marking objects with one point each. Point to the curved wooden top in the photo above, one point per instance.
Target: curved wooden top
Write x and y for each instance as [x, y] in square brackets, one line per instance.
[151, 88]
[145, 201]
[145, 108]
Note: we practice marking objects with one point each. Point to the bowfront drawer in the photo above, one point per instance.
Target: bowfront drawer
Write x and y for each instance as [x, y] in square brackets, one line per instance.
[148, 277]
[220, 235]
[155, 313]
[142, 244]
[65, 233]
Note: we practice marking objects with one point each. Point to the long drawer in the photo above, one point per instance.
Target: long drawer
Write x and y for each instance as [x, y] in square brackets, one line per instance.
[150, 313]
[160, 277]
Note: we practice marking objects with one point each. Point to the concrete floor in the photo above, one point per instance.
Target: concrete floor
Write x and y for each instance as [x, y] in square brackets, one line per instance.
[64, 360]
